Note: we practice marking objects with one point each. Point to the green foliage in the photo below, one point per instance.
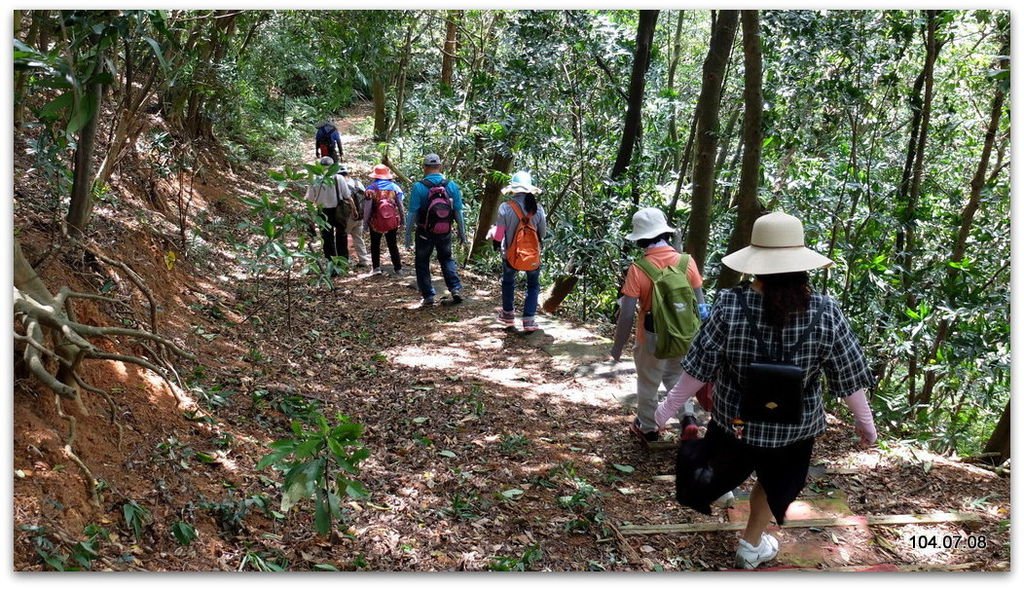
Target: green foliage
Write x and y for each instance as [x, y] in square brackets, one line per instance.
[317, 461]
[58, 555]
[532, 555]
[230, 513]
[136, 517]
[183, 533]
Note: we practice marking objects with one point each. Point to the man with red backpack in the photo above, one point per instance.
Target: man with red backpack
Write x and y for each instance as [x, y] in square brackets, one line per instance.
[382, 216]
[435, 208]
[520, 230]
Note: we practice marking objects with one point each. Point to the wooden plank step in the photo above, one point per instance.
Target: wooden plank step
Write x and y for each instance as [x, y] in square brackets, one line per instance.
[851, 520]
[671, 478]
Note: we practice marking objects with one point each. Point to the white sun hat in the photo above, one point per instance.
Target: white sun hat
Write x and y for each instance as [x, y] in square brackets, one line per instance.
[776, 247]
[521, 182]
[649, 223]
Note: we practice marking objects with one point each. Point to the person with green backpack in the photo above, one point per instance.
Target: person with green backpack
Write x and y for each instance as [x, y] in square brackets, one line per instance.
[667, 287]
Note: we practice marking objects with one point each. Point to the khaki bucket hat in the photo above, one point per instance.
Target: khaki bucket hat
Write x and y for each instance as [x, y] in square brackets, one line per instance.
[776, 247]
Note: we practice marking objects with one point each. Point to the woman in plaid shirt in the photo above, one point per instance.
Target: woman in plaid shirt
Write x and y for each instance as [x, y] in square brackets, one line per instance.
[745, 327]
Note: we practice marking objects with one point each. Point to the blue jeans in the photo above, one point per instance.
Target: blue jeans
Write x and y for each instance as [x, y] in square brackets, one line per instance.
[425, 245]
[508, 290]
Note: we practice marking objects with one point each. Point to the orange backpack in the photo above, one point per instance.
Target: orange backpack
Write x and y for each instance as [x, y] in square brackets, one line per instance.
[524, 250]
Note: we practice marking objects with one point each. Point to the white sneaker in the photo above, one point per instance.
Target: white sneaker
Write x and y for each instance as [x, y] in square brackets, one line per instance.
[726, 500]
[749, 557]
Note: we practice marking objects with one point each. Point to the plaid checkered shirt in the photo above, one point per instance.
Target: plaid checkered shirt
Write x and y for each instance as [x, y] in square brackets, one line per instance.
[726, 345]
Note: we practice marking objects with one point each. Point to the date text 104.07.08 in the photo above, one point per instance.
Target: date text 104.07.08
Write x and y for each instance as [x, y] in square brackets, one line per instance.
[934, 541]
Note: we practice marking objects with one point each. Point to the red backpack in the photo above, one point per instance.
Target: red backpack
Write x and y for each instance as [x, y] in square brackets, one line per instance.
[437, 215]
[523, 251]
[384, 214]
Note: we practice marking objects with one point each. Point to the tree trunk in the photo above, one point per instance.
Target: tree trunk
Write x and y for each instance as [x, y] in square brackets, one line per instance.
[451, 39]
[81, 189]
[127, 115]
[380, 111]
[403, 68]
[564, 284]
[673, 130]
[707, 135]
[978, 183]
[634, 109]
[748, 205]
[489, 202]
[1000, 439]
[683, 168]
[905, 255]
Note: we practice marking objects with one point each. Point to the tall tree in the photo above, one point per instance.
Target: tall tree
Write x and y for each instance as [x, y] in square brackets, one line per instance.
[980, 180]
[495, 180]
[748, 205]
[910, 187]
[451, 46]
[80, 208]
[630, 132]
[722, 35]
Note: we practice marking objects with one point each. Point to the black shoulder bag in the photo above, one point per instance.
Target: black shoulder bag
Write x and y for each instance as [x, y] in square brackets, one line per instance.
[772, 389]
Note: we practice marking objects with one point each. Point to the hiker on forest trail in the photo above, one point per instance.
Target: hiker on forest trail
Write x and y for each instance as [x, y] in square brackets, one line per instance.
[328, 193]
[328, 142]
[383, 216]
[765, 345]
[519, 232]
[656, 355]
[435, 205]
[355, 223]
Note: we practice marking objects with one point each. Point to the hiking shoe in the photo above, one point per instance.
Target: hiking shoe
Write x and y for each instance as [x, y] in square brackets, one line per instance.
[376, 272]
[400, 272]
[749, 557]
[644, 437]
[726, 500]
[530, 324]
[456, 298]
[426, 303]
[507, 317]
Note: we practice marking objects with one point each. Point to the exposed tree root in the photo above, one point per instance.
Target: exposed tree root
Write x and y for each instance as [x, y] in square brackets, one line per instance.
[53, 334]
[90, 480]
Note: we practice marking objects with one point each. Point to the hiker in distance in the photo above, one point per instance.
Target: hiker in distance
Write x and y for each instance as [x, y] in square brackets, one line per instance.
[383, 214]
[434, 206]
[765, 345]
[519, 233]
[328, 142]
[331, 194]
[667, 287]
[355, 223]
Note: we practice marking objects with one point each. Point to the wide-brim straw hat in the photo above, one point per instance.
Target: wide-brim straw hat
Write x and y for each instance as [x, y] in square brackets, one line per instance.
[776, 247]
[649, 223]
[521, 182]
[382, 172]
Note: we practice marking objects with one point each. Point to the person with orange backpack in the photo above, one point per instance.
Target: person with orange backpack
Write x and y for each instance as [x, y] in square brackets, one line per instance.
[667, 287]
[519, 233]
[383, 216]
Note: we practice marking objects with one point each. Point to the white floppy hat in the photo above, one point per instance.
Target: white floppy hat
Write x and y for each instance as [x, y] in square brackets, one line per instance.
[521, 182]
[776, 247]
[649, 223]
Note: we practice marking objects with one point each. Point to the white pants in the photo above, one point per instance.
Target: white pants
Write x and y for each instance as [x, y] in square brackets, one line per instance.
[355, 229]
[651, 373]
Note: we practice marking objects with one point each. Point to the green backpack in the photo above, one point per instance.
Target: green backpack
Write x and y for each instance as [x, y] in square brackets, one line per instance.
[673, 307]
